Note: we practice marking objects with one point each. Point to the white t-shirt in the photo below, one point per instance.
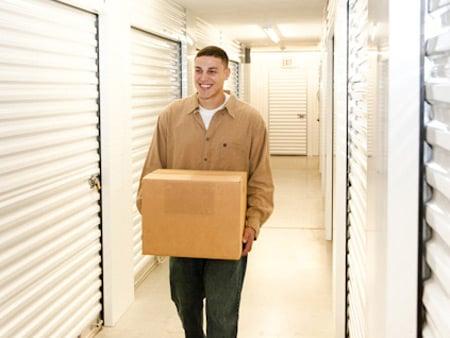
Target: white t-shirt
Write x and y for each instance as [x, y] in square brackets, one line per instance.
[207, 114]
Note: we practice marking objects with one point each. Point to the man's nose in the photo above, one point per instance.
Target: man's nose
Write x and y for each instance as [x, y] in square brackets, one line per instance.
[203, 76]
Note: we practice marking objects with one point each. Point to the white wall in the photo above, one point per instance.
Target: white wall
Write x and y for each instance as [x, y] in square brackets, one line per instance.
[326, 127]
[403, 123]
[326, 114]
[118, 279]
[262, 63]
[340, 170]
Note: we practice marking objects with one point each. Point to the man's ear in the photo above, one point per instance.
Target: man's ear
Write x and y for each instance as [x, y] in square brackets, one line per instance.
[227, 73]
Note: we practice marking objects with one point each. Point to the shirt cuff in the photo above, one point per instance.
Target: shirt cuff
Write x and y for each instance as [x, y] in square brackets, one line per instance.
[253, 222]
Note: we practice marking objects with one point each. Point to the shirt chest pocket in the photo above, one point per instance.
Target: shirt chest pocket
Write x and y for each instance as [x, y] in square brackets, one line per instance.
[233, 156]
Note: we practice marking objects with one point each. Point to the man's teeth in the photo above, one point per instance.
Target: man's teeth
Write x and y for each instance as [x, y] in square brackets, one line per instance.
[206, 86]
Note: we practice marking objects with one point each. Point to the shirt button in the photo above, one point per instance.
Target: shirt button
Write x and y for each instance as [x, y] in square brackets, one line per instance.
[207, 139]
[205, 159]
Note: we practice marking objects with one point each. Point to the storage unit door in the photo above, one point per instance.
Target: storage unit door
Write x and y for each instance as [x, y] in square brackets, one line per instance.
[357, 169]
[288, 112]
[50, 270]
[156, 82]
[436, 241]
[242, 82]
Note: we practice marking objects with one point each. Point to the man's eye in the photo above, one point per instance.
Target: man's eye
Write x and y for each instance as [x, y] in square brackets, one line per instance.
[212, 72]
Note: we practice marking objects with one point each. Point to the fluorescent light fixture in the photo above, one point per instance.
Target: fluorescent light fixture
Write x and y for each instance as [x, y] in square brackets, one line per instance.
[292, 30]
[271, 34]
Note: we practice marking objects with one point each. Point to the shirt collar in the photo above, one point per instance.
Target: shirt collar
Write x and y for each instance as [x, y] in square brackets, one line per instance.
[193, 105]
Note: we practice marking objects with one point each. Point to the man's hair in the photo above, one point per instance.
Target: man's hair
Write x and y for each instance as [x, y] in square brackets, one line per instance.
[214, 51]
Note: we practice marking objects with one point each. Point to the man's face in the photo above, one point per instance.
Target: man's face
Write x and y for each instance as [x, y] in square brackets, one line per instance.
[210, 74]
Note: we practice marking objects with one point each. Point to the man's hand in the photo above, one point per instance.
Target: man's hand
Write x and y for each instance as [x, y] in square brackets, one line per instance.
[247, 239]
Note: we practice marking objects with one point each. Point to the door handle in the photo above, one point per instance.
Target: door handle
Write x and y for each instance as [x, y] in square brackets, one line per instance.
[94, 182]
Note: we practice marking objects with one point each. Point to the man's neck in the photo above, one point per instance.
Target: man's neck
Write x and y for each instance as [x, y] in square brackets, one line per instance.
[213, 102]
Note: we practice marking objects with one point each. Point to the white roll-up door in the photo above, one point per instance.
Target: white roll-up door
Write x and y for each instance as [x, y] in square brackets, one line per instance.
[288, 111]
[371, 100]
[232, 84]
[232, 47]
[50, 269]
[436, 287]
[242, 82]
[205, 34]
[156, 82]
[357, 169]
[165, 18]
[235, 82]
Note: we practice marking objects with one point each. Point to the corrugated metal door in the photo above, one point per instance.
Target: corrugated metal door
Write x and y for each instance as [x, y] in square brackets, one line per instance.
[371, 100]
[156, 82]
[232, 83]
[50, 271]
[357, 169]
[242, 81]
[288, 111]
[232, 47]
[436, 259]
[205, 34]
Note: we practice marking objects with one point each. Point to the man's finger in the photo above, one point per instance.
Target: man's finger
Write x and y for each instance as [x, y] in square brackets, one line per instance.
[248, 243]
[246, 250]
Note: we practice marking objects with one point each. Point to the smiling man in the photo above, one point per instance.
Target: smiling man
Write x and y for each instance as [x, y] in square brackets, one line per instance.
[213, 130]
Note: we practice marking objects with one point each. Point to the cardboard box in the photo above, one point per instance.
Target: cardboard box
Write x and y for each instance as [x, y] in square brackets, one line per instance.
[194, 213]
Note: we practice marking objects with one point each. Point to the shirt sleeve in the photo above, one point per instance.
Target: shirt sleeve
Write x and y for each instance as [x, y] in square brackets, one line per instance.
[157, 154]
[260, 184]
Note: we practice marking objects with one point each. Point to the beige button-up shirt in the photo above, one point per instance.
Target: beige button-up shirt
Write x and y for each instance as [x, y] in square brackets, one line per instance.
[236, 140]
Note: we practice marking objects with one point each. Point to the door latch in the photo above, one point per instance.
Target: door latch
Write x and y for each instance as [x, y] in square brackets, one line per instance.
[94, 182]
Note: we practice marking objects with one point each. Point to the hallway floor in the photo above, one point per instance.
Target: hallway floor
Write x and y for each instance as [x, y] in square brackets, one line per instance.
[287, 291]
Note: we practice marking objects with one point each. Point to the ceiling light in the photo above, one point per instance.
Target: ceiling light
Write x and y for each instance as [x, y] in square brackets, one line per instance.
[271, 34]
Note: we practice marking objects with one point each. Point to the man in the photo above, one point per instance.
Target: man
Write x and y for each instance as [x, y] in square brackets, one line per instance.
[212, 130]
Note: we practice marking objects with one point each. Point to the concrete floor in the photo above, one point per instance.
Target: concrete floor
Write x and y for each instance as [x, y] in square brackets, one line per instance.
[287, 291]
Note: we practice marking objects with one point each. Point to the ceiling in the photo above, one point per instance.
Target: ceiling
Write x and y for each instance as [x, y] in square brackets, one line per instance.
[298, 22]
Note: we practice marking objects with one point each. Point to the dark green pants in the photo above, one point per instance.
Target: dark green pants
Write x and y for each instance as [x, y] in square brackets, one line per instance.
[219, 282]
